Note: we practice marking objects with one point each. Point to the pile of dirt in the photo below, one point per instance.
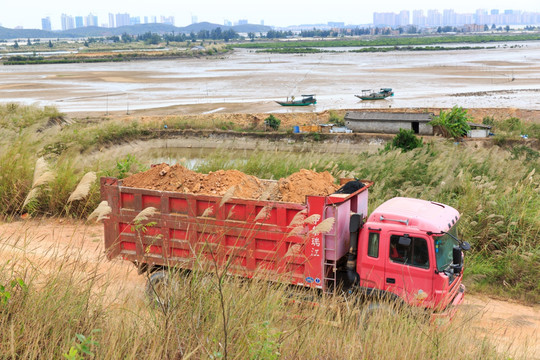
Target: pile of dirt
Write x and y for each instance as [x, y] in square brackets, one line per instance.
[166, 178]
[180, 179]
[306, 182]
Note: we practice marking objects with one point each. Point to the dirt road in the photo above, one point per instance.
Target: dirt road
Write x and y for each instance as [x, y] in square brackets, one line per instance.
[513, 328]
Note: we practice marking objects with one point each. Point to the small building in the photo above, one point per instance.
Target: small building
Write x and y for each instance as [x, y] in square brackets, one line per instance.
[478, 130]
[389, 123]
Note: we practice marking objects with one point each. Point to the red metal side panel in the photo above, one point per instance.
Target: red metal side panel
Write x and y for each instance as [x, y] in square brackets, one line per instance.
[314, 246]
[251, 237]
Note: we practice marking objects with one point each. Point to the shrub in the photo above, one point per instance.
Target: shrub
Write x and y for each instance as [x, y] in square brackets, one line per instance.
[336, 119]
[405, 140]
[273, 122]
[453, 123]
[488, 120]
[510, 124]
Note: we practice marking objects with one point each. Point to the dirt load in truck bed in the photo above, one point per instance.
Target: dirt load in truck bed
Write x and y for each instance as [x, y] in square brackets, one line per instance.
[180, 179]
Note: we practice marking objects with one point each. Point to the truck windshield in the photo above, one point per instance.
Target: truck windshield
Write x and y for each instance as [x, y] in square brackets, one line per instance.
[444, 246]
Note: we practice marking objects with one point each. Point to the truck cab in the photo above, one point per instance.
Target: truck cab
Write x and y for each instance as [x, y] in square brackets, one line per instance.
[408, 248]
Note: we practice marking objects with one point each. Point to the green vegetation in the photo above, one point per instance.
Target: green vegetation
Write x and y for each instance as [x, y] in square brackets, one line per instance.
[371, 49]
[272, 122]
[452, 123]
[405, 140]
[96, 55]
[391, 41]
[336, 119]
[496, 189]
[70, 309]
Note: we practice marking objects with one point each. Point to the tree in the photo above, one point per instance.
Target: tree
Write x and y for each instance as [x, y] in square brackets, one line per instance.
[16, 45]
[50, 44]
[29, 43]
[272, 122]
[251, 35]
[127, 38]
[453, 123]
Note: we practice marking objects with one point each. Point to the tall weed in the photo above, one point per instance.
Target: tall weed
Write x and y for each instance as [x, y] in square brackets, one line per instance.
[62, 303]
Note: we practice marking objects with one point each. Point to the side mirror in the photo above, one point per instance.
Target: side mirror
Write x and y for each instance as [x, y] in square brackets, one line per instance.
[465, 246]
[457, 260]
[404, 241]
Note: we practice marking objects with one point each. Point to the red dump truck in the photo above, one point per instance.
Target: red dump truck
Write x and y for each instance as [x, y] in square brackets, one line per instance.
[407, 249]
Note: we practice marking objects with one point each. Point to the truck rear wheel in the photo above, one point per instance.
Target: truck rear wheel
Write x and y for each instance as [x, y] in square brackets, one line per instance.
[161, 288]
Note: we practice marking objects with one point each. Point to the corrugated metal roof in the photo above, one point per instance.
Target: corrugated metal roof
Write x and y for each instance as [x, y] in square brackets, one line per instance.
[387, 116]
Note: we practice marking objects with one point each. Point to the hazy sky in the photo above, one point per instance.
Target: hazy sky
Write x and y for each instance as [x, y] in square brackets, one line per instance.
[28, 13]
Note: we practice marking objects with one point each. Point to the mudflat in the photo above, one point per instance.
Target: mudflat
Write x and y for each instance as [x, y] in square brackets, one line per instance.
[245, 81]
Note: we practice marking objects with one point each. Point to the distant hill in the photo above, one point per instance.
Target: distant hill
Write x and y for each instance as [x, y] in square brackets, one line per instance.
[6, 33]
[94, 31]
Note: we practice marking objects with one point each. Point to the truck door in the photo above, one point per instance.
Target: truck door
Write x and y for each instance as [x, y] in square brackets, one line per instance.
[408, 268]
[371, 258]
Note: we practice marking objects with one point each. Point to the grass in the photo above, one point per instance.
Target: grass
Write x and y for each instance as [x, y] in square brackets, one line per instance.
[495, 189]
[71, 306]
[390, 41]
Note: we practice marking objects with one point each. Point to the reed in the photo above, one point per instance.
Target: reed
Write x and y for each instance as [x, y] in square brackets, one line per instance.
[496, 189]
[59, 305]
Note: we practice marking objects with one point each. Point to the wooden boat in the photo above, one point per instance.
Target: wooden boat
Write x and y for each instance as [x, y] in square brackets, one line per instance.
[306, 100]
[372, 95]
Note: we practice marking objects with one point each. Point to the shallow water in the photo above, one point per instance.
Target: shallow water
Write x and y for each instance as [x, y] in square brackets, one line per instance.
[500, 77]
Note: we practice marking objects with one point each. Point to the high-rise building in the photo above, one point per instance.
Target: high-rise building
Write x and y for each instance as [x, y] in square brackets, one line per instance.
[403, 18]
[91, 20]
[419, 18]
[67, 22]
[227, 22]
[434, 18]
[79, 23]
[46, 24]
[194, 19]
[169, 20]
[386, 19]
[122, 20]
[449, 17]
[242, 22]
[111, 20]
[135, 20]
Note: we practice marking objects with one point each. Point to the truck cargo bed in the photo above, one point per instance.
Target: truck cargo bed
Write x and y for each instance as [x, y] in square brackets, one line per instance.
[253, 238]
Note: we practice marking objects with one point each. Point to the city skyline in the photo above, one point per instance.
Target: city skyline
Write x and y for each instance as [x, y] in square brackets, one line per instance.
[350, 13]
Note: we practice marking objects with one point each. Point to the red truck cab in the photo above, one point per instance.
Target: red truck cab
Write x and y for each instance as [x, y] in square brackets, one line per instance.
[407, 248]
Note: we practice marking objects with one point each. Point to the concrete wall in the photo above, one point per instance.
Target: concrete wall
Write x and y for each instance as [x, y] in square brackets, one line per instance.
[386, 127]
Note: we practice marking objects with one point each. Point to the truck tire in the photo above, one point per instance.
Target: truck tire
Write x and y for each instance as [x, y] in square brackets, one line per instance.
[377, 312]
[161, 287]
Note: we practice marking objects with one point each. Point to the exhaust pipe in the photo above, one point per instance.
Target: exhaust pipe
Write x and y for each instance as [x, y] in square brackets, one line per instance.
[355, 225]
[349, 277]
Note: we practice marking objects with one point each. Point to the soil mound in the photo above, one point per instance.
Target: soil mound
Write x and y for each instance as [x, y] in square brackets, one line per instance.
[180, 179]
[165, 177]
[306, 182]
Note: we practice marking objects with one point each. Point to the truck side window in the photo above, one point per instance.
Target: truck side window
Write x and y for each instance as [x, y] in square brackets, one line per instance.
[416, 254]
[373, 245]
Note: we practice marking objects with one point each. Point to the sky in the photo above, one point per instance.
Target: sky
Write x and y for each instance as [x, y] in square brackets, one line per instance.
[281, 13]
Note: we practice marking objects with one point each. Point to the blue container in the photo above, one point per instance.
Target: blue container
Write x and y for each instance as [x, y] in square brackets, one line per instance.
[296, 129]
